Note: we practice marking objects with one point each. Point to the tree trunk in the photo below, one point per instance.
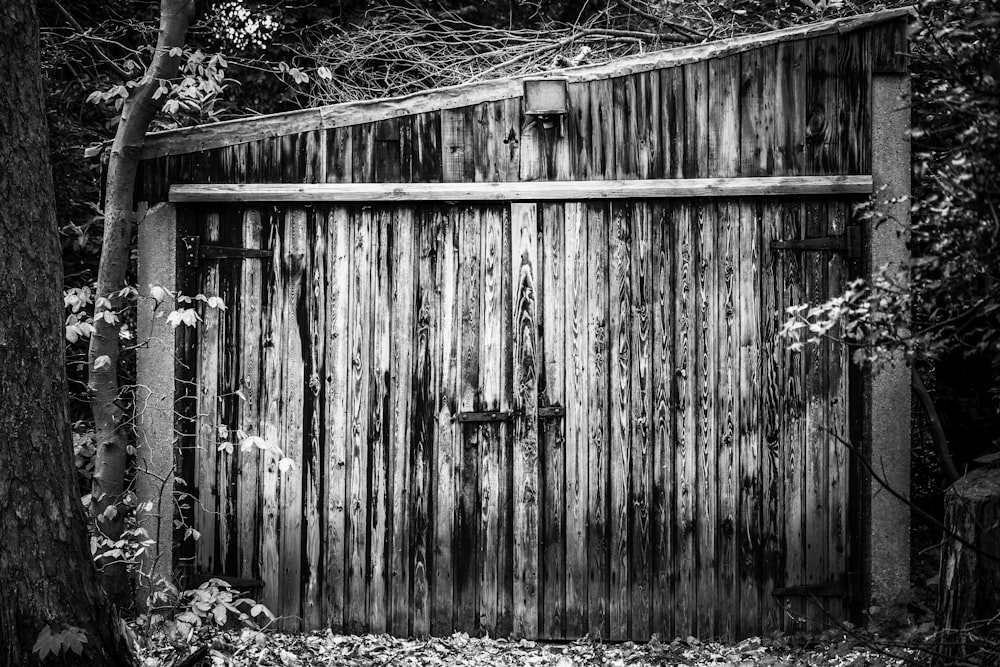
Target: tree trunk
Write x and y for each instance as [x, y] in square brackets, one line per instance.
[970, 578]
[47, 576]
[109, 415]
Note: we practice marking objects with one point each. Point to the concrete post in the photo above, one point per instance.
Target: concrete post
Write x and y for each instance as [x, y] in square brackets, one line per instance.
[885, 519]
[155, 394]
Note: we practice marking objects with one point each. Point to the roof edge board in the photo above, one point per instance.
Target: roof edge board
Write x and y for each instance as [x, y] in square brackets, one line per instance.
[226, 133]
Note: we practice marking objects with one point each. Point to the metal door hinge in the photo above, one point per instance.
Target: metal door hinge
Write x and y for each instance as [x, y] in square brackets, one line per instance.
[838, 588]
[487, 416]
[850, 242]
[194, 250]
[551, 412]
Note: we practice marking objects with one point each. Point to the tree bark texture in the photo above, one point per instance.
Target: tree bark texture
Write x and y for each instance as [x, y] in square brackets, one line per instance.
[47, 576]
[109, 415]
[970, 578]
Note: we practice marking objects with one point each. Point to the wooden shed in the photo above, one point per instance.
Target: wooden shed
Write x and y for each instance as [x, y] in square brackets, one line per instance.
[527, 365]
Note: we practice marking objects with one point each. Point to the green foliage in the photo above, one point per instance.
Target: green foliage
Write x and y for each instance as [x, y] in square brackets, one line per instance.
[70, 638]
[178, 616]
[943, 307]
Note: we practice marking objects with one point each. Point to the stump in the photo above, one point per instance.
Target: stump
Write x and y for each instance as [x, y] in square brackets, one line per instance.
[970, 580]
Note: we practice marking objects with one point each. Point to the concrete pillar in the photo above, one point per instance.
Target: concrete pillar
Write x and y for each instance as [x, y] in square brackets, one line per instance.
[885, 519]
[155, 395]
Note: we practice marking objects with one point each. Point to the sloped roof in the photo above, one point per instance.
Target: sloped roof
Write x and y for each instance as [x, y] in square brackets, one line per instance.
[226, 133]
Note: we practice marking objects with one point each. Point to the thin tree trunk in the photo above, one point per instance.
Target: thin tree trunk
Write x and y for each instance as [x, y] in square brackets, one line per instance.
[109, 415]
[47, 576]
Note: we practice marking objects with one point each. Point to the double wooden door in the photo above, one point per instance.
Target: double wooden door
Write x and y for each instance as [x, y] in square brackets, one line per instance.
[535, 419]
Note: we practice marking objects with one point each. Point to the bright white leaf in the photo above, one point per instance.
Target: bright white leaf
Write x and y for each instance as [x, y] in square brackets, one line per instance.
[101, 362]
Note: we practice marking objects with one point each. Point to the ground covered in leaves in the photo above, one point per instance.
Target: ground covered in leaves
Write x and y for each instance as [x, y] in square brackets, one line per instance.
[250, 647]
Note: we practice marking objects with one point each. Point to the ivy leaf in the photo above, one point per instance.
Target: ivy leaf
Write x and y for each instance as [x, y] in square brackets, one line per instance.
[101, 362]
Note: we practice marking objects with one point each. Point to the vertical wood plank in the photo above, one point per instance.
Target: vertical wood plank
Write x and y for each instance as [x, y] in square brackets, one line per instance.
[598, 545]
[468, 509]
[457, 155]
[731, 443]
[641, 416]
[672, 127]
[248, 480]
[292, 426]
[685, 351]
[837, 418]
[603, 137]
[378, 433]
[760, 153]
[524, 267]
[651, 125]
[664, 562]
[793, 423]
[707, 367]
[577, 407]
[506, 597]
[626, 127]
[270, 401]
[402, 326]
[821, 106]
[854, 99]
[621, 422]
[772, 357]
[313, 454]
[445, 453]
[696, 120]
[815, 389]
[580, 128]
[724, 116]
[551, 391]
[387, 167]
[207, 454]
[790, 107]
[338, 270]
[752, 497]
[363, 153]
[423, 417]
[360, 319]
[492, 437]
[425, 147]
[339, 155]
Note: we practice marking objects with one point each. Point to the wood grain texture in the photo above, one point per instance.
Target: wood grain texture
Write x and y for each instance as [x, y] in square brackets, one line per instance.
[620, 441]
[822, 155]
[793, 421]
[552, 432]
[889, 30]
[696, 119]
[402, 325]
[816, 438]
[761, 147]
[446, 452]
[685, 351]
[598, 425]
[577, 355]
[663, 430]
[291, 429]
[772, 357]
[468, 495]
[248, 478]
[493, 438]
[359, 384]
[537, 191]
[209, 360]
[731, 443]
[524, 268]
[641, 416]
[378, 429]
[339, 257]
[707, 367]
[724, 116]
[424, 383]
[313, 459]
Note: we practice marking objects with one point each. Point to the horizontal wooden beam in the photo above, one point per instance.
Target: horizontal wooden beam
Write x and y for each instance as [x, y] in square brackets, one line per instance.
[226, 133]
[526, 191]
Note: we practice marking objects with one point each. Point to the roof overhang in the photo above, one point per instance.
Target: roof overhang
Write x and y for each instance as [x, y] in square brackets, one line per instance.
[227, 133]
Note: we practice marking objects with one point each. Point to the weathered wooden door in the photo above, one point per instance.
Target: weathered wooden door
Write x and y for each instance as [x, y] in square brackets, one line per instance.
[543, 419]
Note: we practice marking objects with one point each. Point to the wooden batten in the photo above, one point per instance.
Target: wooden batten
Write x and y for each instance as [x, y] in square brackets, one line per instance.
[531, 191]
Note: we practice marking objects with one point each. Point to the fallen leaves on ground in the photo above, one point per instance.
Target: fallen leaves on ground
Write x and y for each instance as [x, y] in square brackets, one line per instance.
[271, 649]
